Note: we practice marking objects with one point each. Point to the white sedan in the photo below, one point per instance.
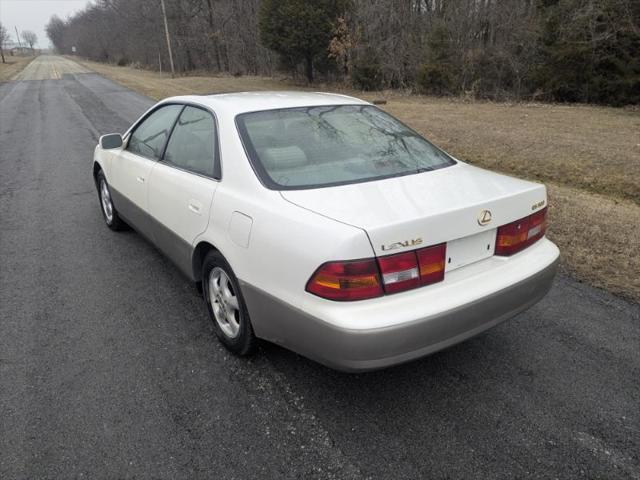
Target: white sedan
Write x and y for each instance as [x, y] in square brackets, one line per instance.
[323, 224]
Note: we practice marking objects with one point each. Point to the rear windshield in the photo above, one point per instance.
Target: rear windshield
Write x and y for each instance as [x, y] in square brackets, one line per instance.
[310, 147]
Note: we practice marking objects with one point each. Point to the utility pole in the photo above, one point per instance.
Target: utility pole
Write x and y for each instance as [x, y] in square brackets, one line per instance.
[166, 31]
[18, 37]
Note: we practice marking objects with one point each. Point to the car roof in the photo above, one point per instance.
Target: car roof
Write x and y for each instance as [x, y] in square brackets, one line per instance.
[242, 102]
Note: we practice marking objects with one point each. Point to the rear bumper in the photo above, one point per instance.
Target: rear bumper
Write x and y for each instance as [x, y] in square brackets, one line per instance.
[363, 349]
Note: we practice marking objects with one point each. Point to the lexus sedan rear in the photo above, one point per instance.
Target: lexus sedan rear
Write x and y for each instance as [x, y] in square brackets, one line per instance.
[321, 223]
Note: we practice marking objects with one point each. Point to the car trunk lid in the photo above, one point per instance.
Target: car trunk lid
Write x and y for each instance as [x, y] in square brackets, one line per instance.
[461, 205]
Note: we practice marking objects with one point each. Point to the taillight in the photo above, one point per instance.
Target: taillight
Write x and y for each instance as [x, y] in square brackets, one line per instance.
[350, 280]
[362, 279]
[518, 235]
[399, 272]
[431, 260]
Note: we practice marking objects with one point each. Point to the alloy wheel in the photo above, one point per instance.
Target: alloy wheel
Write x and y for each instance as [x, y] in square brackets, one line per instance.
[224, 302]
[105, 199]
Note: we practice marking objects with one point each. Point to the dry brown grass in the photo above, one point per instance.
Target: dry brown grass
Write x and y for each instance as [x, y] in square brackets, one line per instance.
[13, 66]
[599, 238]
[592, 148]
[588, 156]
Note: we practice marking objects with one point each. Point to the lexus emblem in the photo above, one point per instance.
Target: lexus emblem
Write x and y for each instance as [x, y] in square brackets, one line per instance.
[484, 217]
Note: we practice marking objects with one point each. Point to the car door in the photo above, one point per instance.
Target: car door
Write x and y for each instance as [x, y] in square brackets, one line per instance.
[183, 184]
[132, 168]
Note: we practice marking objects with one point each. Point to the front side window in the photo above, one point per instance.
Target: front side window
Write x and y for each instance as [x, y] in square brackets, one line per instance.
[149, 137]
[192, 145]
[320, 146]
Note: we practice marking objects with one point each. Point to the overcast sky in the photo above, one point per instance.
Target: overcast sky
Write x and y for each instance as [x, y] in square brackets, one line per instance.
[35, 14]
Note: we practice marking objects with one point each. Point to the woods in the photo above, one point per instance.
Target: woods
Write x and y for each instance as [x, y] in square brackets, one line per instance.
[554, 50]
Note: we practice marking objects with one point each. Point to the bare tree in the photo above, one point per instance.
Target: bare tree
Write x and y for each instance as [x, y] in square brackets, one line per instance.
[4, 37]
[568, 50]
[30, 38]
[55, 31]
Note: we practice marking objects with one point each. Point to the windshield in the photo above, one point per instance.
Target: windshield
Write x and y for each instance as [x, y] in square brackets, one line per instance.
[310, 147]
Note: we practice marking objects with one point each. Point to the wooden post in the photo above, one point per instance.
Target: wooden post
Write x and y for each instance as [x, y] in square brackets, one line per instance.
[166, 31]
[18, 37]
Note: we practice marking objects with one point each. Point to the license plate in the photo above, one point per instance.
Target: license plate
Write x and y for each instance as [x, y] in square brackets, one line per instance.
[473, 248]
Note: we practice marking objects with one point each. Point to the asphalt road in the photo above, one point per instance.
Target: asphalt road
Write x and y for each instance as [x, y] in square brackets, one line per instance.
[109, 367]
[49, 67]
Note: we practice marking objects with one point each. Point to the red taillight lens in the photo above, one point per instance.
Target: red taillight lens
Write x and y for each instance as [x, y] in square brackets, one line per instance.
[362, 279]
[351, 280]
[399, 272]
[518, 235]
[432, 261]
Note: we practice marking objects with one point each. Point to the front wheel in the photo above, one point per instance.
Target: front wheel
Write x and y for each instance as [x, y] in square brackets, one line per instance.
[109, 212]
[226, 305]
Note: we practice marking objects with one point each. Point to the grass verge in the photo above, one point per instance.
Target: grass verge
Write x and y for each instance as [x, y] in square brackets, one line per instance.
[12, 66]
[588, 156]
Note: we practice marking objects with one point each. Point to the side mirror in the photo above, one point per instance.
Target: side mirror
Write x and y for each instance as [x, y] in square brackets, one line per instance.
[112, 140]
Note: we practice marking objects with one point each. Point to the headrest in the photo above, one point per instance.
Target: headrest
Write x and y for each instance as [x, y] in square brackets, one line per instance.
[280, 158]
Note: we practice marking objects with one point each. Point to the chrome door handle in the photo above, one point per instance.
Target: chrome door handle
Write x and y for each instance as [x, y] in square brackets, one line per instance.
[140, 179]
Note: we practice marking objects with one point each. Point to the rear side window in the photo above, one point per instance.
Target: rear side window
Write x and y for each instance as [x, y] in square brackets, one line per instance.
[192, 145]
[149, 138]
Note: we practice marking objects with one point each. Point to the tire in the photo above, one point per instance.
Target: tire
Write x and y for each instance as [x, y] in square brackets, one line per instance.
[226, 306]
[109, 212]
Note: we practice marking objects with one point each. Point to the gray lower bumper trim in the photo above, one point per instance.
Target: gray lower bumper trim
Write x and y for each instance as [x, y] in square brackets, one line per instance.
[357, 350]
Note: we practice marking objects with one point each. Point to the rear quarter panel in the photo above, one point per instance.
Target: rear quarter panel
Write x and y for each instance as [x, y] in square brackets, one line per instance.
[286, 243]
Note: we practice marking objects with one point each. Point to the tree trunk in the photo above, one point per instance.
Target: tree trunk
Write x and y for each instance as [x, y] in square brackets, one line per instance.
[2, 54]
[309, 67]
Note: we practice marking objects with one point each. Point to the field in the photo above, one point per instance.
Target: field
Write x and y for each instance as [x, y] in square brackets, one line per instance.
[13, 66]
[589, 158]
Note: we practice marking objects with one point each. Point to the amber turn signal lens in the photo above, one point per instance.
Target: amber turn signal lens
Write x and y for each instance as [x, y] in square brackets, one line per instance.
[516, 236]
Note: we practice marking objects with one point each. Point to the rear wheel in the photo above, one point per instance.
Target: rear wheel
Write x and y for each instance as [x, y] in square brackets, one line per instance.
[109, 212]
[226, 305]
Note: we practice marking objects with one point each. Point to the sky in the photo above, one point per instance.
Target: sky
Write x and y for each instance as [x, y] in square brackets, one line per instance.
[35, 14]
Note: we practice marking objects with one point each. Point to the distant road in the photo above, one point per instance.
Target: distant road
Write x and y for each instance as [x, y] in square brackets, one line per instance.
[109, 367]
[49, 67]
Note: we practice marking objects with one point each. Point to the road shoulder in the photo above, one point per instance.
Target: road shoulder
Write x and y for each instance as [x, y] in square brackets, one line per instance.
[13, 66]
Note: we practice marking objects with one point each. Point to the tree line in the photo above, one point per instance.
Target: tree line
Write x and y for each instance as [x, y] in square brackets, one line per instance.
[555, 50]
